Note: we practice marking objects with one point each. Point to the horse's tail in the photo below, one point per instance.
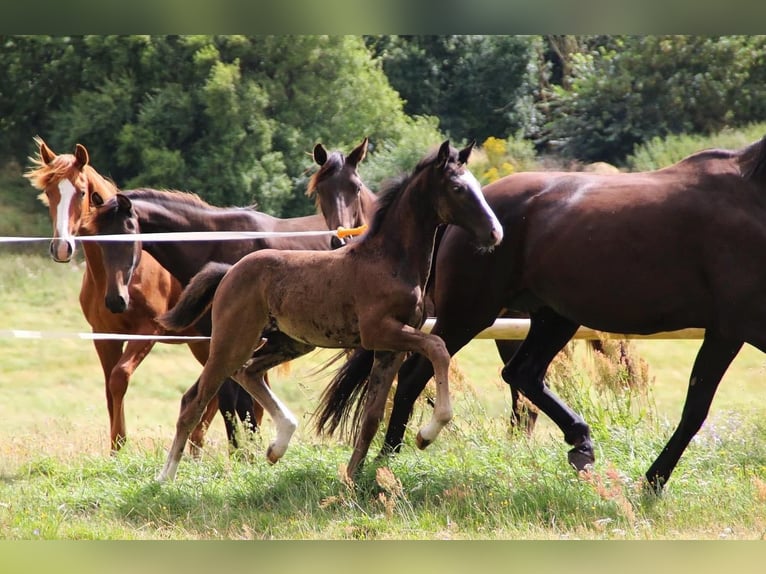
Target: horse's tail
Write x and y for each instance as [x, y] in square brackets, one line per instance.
[196, 298]
[348, 388]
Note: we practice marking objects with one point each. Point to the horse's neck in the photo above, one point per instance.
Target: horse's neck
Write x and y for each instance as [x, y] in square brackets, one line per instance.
[408, 232]
[94, 265]
[369, 205]
[184, 259]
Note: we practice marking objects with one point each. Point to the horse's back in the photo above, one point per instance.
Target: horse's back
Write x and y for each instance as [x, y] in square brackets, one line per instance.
[633, 252]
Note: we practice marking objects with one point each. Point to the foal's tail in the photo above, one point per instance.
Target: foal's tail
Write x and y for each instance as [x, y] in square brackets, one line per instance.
[195, 299]
[348, 388]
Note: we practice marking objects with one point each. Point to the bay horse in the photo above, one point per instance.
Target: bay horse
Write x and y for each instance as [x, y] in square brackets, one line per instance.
[369, 293]
[67, 183]
[344, 202]
[679, 247]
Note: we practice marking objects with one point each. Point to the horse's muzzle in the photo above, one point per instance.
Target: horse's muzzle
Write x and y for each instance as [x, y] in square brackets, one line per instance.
[336, 242]
[116, 303]
[61, 250]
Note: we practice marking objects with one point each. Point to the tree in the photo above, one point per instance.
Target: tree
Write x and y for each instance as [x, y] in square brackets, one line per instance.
[634, 88]
[478, 86]
[233, 118]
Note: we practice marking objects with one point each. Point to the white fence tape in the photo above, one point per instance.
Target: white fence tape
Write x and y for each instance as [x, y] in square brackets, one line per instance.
[182, 236]
[505, 329]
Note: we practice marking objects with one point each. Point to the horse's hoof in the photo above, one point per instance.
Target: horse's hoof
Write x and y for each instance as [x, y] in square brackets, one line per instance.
[420, 442]
[581, 457]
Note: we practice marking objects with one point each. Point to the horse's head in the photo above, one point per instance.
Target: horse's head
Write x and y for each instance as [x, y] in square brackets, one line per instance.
[66, 182]
[459, 199]
[341, 196]
[115, 216]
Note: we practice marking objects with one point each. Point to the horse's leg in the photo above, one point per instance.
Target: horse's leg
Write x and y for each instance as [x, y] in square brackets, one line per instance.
[284, 420]
[250, 412]
[109, 352]
[278, 349]
[135, 352]
[384, 368]
[456, 326]
[227, 401]
[714, 357]
[227, 355]
[521, 412]
[548, 333]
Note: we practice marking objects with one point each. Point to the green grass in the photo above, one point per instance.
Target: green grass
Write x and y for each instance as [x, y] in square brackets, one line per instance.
[478, 481]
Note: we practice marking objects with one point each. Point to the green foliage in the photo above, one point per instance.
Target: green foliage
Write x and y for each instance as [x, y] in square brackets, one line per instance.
[662, 152]
[634, 88]
[233, 118]
[478, 86]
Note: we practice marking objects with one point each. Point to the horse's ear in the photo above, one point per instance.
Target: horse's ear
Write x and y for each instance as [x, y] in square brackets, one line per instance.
[123, 203]
[358, 154]
[320, 154]
[465, 153]
[442, 157]
[46, 154]
[95, 199]
[81, 155]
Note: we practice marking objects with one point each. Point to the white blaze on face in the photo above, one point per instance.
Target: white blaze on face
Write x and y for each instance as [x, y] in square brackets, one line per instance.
[67, 192]
[473, 184]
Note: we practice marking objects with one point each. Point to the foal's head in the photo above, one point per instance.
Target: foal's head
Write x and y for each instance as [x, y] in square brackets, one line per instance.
[341, 196]
[66, 182]
[115, 216]
[457, 195]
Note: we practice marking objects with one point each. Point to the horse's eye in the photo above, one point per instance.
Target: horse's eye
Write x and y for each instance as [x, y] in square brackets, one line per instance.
[130, 225]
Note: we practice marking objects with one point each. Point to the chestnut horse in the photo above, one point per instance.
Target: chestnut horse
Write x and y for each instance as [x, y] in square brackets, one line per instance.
[369, 293]
[341, 196]
[680, 247]
[67, 182]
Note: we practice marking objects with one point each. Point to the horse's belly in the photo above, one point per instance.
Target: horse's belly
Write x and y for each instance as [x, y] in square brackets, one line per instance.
[320, 332]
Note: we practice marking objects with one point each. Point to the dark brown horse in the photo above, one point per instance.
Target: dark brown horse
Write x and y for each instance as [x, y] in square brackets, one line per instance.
[370, 293]
[344, 202]
[627, 253]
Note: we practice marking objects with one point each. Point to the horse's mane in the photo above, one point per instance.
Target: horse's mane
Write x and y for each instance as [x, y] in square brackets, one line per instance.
[167, 197]
[752, 161]
[393, 187]
[41, 174]
[333, 163]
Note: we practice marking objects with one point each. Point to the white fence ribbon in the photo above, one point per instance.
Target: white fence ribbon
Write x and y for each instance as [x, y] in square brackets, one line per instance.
[24, 334]
[183, 236]
[503, 329]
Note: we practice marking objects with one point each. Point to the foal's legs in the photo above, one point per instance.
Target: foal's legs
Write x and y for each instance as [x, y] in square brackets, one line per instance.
[548, 333]
[714, 357]
[382, 375]
[226, 356]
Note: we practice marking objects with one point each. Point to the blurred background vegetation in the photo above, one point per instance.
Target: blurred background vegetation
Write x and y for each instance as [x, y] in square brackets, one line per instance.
[234, 118]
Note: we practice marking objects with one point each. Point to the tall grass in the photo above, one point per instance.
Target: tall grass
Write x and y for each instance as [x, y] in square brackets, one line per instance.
[662, 152]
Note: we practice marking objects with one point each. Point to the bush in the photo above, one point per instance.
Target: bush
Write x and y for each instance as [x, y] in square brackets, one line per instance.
[662, 152]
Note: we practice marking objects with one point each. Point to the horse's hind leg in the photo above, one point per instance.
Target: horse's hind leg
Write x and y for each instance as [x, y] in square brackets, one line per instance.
[225, 358]
[714, 357]
[384, 368]
[548, 333]
[523, 413]
[284, 420]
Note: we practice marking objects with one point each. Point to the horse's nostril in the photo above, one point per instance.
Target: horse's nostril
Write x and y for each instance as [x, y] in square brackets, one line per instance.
[336, 242]
[116, 304]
